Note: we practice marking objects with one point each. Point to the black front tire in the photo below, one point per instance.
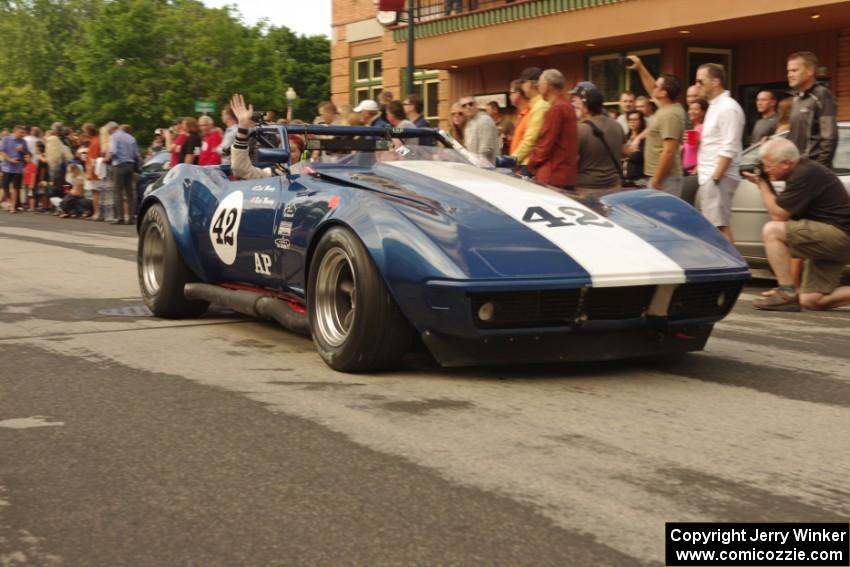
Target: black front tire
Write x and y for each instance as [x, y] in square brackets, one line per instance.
[162, 272]
[355, 322]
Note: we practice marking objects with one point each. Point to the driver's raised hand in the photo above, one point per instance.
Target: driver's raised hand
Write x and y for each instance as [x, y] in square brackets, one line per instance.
[242, 112]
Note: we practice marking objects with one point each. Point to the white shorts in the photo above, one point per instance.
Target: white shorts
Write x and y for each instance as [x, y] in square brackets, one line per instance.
[714, 200]
[93, 185]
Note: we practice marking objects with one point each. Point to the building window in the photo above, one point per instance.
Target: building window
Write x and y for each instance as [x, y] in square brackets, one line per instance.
[606, 72]
[367, 80]
[609, 73]
[701, 55]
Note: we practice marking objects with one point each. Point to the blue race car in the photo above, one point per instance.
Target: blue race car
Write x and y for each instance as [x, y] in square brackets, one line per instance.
[375, 242]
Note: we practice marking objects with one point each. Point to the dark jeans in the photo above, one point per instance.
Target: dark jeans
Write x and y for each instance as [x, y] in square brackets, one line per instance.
[76, 205]
[57, 181]
[124, 189]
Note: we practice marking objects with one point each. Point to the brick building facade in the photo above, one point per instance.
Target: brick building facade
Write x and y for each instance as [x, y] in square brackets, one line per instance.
[480, 47]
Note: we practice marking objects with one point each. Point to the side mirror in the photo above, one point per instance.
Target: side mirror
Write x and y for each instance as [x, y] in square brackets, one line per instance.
[273, 155]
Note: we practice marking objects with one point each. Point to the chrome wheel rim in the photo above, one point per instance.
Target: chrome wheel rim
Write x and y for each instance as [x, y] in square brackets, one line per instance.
[153, 258]
[336, 297]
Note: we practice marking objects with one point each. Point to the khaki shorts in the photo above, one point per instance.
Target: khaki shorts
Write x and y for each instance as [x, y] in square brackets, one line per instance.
[671, 186]
[826, 249]
[714, 200]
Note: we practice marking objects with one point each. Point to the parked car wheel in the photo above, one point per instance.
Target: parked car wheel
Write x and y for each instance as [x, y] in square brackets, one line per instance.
[355, 322]
[162, 272]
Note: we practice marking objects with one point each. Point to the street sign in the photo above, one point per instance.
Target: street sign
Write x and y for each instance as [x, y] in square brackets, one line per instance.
[204, 106]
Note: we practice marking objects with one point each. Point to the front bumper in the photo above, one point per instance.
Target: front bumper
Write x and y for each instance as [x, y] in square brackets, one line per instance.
[452, 351]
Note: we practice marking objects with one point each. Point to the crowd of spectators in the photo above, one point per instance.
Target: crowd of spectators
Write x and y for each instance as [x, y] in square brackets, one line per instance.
[564, 138]
[92, 173]
[568, 139]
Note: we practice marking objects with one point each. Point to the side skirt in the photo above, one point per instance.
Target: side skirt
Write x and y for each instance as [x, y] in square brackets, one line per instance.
[289, 314]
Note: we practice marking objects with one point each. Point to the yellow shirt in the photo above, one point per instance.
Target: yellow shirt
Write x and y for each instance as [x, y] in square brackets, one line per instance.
[538, 106]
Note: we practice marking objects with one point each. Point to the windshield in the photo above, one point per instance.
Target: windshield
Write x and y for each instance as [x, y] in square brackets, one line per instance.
[842, 156]
[402, 153]
[751, 155]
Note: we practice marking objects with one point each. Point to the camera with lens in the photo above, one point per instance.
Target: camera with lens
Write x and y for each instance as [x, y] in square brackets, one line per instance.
[626, 62]
[259, 117]
[756, 168]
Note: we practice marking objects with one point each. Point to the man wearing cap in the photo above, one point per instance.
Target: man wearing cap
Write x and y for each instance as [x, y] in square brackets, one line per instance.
[600, 145]
[662, 156]
[553, 160]
[370, 114]
[539, 106]
[577, 95]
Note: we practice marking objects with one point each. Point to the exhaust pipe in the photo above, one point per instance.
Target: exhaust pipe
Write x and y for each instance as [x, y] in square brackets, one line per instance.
[250, 303]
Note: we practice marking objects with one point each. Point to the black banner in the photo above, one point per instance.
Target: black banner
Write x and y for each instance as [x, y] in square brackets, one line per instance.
[743, 545]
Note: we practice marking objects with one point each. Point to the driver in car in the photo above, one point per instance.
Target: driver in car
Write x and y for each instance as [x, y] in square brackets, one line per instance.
[240, 159]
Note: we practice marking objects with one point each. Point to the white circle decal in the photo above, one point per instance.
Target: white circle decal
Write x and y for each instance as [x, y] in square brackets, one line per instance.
[224, 228]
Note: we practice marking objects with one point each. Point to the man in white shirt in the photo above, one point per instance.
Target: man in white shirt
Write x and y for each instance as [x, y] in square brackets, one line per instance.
[720, 148]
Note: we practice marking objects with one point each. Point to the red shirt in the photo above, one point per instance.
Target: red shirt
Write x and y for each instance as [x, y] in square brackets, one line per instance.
[175, 155]
[29, 174]
[208, 154]
[555, 153]
[94, 153]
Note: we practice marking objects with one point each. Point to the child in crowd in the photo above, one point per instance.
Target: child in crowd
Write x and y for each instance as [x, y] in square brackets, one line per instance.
[42, 179]
[75, 204]
[30, 170]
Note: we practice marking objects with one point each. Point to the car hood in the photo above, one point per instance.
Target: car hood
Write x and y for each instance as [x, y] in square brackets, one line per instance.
[494, 225]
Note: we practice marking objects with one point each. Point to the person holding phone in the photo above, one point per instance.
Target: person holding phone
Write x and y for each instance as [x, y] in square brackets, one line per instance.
[662, 162]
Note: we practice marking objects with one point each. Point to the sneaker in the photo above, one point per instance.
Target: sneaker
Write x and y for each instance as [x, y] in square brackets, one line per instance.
[119, 221]
[779, 301]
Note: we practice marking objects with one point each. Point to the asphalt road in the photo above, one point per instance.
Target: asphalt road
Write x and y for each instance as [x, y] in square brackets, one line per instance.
[126, 440]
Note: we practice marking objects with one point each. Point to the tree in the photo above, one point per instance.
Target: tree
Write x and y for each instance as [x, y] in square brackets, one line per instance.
[25, 105]
[145, 62]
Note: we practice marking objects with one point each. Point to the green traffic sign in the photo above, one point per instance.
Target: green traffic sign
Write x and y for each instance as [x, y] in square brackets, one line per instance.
[204, 106]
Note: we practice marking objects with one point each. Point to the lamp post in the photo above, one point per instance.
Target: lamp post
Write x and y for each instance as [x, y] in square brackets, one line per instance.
[290, 99]
[411, 36]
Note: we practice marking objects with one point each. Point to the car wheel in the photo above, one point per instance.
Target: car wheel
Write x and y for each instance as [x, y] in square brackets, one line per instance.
[355, 322]
[162, 272]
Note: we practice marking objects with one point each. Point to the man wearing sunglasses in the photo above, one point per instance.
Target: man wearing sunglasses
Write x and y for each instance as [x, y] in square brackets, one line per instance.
[720, 148]
[481, 136]
[413, 109]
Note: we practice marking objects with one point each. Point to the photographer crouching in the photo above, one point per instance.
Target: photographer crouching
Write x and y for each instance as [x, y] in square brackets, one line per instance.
[809, 220]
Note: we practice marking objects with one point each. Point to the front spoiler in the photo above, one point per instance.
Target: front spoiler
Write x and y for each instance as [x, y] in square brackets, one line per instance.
[453, 351]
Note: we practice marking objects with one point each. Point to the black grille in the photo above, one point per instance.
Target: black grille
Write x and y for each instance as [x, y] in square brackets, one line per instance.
[709, 299]
[546, 308]
[617, 303]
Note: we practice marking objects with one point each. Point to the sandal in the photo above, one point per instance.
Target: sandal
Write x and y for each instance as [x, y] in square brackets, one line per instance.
[778, 301]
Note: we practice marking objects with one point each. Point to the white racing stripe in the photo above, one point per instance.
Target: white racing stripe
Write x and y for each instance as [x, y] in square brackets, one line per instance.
[612, 255]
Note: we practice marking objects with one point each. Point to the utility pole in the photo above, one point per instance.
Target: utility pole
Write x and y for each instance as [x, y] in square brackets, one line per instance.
[411, 35]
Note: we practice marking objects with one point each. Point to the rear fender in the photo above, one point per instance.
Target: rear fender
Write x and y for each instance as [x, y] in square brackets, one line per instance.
[175, 202]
